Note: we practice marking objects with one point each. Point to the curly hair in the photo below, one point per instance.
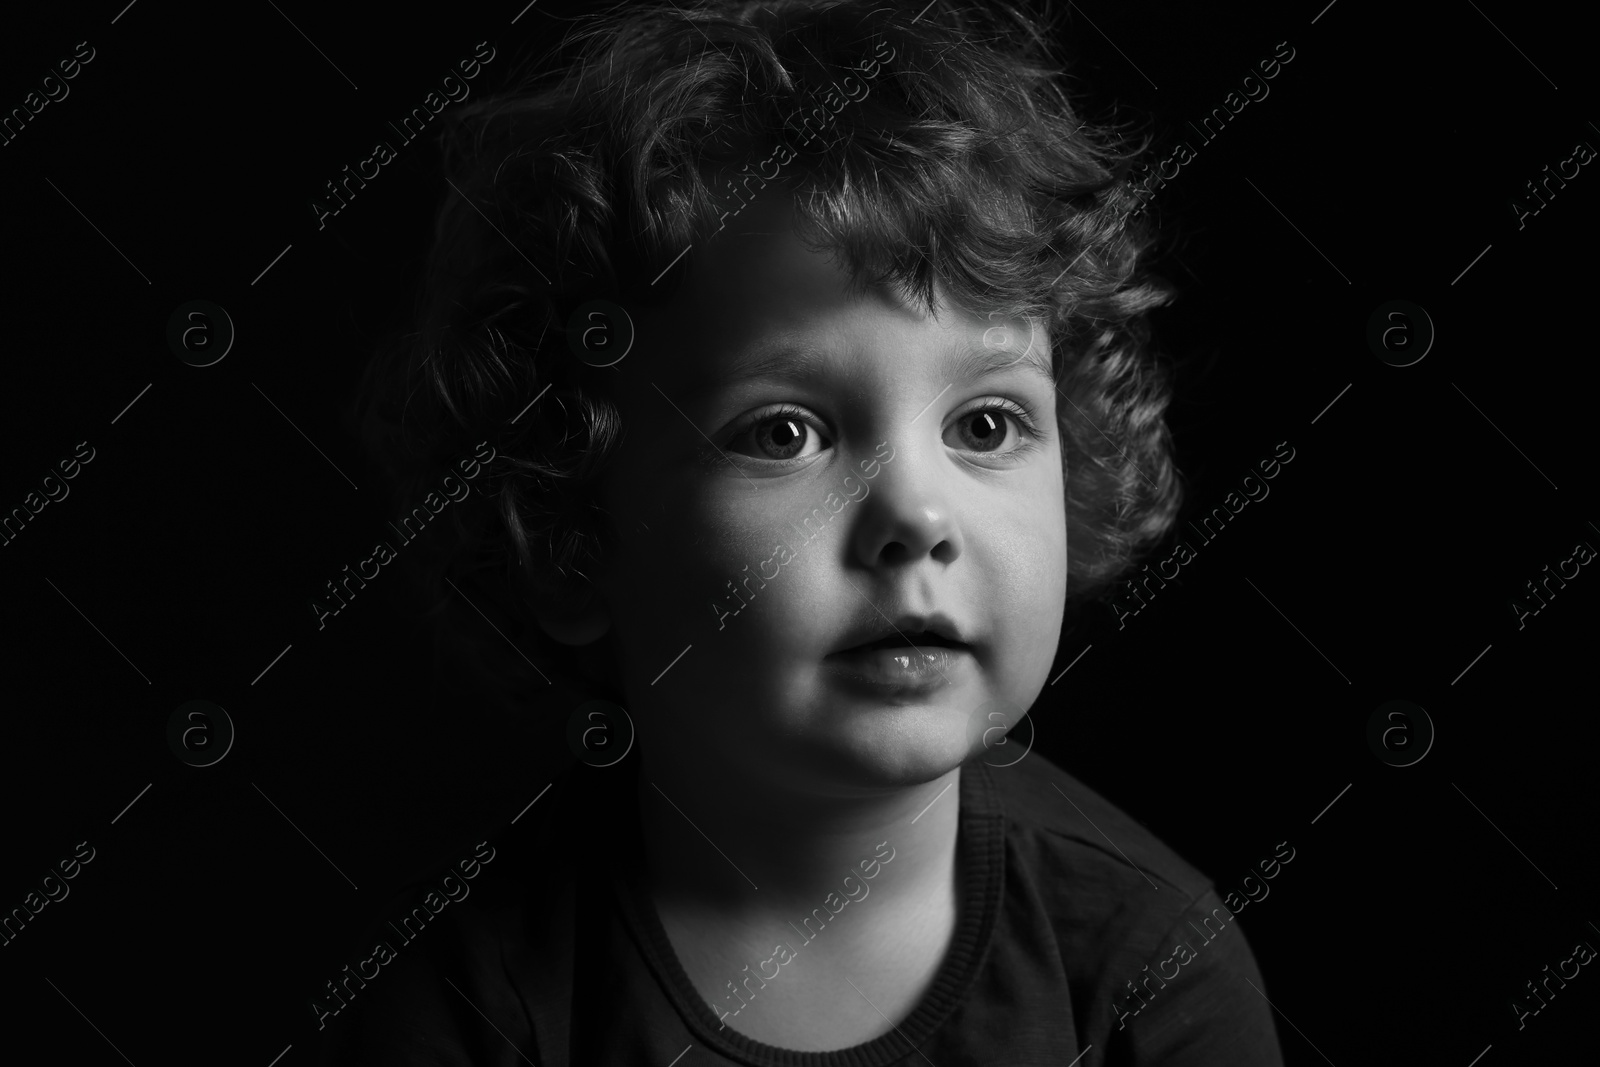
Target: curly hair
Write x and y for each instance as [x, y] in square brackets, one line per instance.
[965, 163]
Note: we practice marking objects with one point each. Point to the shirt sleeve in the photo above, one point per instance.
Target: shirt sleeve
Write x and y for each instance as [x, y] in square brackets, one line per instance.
[440, 1004]
[404, 1024]
[1200, 1003]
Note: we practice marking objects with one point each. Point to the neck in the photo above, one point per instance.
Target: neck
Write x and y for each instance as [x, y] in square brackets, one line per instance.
[732, 843]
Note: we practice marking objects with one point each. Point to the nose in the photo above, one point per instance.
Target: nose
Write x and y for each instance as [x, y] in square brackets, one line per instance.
[908, 515]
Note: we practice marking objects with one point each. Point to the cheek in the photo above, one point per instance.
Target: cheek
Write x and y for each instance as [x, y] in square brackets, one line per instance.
[746, 650]
[1029, 530]
[679, 545]
[1031, 570]
[781, 605]
[1025, 575]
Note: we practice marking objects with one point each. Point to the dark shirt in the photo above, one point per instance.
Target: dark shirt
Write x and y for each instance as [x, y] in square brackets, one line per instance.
[557, 956]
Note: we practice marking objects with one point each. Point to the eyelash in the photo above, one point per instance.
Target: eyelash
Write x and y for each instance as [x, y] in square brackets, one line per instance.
[1024, 417]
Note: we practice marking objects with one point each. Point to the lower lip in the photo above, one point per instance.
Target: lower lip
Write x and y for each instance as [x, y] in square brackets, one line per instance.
[891, 669]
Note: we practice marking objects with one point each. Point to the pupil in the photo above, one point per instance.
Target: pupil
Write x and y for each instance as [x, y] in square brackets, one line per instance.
[987, 421]
[786, 436]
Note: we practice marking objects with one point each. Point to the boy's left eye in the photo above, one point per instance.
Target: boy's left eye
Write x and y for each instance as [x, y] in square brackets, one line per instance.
[783, 434]
[987, 429]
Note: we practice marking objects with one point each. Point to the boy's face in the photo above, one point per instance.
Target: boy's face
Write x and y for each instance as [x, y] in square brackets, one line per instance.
[929, 497]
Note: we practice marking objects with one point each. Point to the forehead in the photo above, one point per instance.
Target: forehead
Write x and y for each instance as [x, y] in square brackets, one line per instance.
[760, 302]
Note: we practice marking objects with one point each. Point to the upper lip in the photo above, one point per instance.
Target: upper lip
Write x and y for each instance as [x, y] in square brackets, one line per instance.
[910, 626]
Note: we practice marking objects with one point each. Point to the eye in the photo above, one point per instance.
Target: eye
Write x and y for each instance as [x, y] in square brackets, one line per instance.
[780, 434]
[987, 429]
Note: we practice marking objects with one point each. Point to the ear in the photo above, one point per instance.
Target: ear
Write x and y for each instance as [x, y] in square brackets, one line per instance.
[577, 626]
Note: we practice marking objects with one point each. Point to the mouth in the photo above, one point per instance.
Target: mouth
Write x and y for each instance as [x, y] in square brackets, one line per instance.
[902, 662]
[914, 641]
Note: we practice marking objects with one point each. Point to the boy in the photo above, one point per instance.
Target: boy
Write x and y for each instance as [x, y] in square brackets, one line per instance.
[811, 529]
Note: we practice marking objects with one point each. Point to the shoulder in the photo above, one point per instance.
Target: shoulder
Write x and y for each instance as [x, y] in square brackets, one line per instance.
[1114, 904]
[1085, 872]
[1054, 820]
[462, 954]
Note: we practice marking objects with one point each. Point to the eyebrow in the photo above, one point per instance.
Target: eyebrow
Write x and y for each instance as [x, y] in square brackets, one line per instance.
[800, 363]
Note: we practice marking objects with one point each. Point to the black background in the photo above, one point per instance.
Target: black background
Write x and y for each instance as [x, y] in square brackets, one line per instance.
[1227, 716]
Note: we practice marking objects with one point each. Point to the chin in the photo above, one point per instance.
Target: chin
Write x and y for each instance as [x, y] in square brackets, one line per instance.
[898, 754]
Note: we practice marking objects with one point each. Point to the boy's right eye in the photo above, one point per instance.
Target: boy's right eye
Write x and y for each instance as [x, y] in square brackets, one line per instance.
[778, 435]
